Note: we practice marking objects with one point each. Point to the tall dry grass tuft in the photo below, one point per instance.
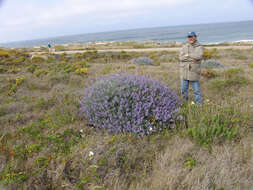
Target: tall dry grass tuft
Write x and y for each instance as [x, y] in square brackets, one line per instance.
[226, 166]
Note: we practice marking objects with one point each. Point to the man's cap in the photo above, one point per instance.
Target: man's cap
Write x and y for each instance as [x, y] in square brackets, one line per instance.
[190, 34]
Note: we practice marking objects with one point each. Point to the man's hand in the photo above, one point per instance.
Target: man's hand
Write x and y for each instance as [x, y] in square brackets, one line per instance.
[188, 57]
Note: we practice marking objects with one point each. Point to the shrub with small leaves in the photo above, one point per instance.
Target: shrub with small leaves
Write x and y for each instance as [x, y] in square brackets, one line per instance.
[143, 61]
[211, 64]
[127, 103]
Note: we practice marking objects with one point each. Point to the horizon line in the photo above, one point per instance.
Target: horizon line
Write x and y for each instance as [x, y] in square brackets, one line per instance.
[109, 31]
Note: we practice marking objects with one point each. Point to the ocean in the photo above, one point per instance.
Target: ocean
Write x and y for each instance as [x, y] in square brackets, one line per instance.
[207, 34]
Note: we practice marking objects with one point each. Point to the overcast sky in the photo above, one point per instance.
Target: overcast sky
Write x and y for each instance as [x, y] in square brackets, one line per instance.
[33, 19]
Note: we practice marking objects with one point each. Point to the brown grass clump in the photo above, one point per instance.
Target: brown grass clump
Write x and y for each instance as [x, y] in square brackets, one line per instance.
[216, 170]
[209, 73]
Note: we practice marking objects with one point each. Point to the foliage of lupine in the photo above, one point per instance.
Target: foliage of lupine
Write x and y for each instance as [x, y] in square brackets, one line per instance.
[127, 103]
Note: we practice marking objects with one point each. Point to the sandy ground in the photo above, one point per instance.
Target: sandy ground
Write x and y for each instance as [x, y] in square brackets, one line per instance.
[145, 49]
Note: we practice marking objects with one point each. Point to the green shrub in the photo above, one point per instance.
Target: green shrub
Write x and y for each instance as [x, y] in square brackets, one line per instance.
[14, 69]
[221, 84]
[213, 123]
[38, 60]
[19, 60]
[232, 72]
[214, 128]
[107, 70]
[4, 53]
[251, 65]
[157, 63]
[44, 104]
[240, 57]
[59, 48]
[31, 68]
[68, 68]
[3, 111]
[40, 72]
[232, 78]
[139, 46]
[131, 67]
[190, 162]
[3, 70]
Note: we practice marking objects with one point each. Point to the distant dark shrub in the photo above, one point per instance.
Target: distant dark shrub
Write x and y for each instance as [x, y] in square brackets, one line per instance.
[126, 103]
[59, 48]
[143, 61]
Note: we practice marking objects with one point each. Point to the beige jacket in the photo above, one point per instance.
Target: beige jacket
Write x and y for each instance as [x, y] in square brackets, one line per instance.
[190, 65]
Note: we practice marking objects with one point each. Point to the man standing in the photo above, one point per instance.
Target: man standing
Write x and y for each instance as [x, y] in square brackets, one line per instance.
[190, 63]
[49, 47]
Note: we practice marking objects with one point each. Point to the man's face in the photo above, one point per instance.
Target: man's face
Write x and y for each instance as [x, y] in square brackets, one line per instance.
[191, 39]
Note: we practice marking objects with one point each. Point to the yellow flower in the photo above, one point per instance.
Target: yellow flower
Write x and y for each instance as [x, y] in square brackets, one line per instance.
[82, 71]
[19, 80]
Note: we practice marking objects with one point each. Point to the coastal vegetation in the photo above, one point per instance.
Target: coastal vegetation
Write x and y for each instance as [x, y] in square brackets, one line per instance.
[47, 142]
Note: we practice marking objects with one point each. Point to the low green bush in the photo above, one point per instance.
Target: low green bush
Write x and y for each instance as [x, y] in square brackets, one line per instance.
[213, 123]
[221, 84]
[233, 72]
[4, 53]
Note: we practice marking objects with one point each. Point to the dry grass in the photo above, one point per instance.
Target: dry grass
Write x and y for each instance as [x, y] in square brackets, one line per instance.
[227, 166]
[45, 143]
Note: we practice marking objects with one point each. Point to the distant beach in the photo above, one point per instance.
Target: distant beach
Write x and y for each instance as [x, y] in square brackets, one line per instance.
[207, 34]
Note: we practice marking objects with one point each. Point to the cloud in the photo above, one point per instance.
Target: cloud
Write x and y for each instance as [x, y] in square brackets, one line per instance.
[35, 13]
[26, 19]
[24, 16]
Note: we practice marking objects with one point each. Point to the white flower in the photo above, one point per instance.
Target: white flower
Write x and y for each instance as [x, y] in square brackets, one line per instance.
[193, 103]
[91, 154]
[150, 129]
[81, 131]
[207, 100]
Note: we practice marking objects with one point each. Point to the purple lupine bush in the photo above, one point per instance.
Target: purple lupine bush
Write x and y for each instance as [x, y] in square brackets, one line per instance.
[127, 103]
